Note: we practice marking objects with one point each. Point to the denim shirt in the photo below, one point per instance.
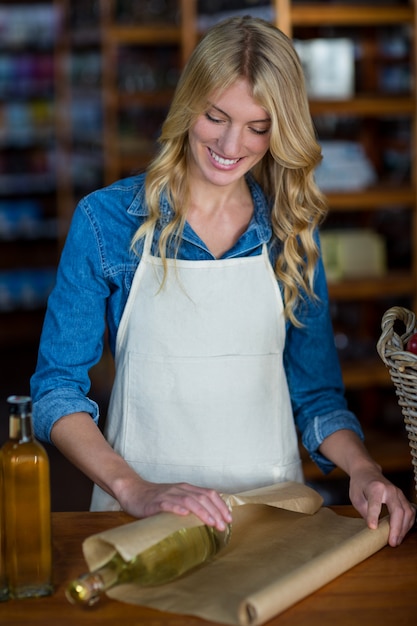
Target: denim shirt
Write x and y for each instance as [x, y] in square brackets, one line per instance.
[93, 282]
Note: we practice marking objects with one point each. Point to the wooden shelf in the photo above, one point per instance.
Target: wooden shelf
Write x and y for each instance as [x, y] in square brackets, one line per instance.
[325, 14]
[365, 373]
[373, 198]
[161, 98]
[142, 35]
[366, 105]
[134, 162]
[124, 155]
[393, 284]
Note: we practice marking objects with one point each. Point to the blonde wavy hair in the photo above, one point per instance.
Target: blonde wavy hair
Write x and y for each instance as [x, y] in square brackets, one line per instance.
[253, 49]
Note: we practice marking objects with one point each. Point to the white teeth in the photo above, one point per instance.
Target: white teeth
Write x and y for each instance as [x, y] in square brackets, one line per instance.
[222, 161]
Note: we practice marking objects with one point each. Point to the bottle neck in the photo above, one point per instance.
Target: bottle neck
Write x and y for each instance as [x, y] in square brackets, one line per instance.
[88, 589]
[20, 428]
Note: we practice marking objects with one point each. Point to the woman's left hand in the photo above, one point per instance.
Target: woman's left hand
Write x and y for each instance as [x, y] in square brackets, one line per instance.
[370, 490]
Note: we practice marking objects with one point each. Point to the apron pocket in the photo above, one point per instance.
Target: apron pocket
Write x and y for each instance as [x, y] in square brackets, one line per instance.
[209, 411]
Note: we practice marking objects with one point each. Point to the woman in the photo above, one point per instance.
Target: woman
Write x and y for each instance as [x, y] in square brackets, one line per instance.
[206, 272]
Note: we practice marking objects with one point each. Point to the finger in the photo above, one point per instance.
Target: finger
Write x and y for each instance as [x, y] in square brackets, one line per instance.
[373, 512]
[209, 505]
[401, 521]
[400, 524]
[396, 532]
[206, 504]
[401, 515]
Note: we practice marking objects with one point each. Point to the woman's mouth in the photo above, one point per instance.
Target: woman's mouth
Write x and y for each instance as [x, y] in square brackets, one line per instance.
[221, 160]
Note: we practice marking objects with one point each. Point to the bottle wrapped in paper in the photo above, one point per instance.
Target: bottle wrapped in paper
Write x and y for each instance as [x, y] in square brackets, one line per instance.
[284, 546]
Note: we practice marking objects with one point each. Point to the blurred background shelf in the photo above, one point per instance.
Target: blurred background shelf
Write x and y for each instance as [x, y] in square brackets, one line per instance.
[84, 88]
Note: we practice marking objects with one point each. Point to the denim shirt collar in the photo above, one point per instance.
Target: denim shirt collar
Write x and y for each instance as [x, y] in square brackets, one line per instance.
[138, 205]
[260, 221]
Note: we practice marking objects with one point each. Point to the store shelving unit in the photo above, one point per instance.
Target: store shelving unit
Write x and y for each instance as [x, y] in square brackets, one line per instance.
[28, 190]
[143, 52]
[117, 62]
[79, 106]
[370, 107]
[137, 87]
[389, 205]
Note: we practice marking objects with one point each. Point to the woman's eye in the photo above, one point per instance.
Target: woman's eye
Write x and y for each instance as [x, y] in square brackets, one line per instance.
[260, 131]
[213, 119]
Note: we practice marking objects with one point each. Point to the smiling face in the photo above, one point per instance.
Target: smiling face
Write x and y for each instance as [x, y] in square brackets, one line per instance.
[230, 137]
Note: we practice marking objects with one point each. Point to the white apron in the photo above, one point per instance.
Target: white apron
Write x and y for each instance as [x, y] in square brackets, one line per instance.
[200, 393]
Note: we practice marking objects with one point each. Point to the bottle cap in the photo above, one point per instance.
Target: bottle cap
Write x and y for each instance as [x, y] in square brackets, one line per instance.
[20, 404]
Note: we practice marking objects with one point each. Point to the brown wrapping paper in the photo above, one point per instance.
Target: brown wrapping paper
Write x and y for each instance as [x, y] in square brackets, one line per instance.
[284, 546]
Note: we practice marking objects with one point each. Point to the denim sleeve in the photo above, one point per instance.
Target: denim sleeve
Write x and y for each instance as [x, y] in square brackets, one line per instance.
[73, 332]
[314, 375]
[320, 427]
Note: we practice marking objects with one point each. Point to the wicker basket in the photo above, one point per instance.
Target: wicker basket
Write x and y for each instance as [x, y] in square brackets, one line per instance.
[402, 366]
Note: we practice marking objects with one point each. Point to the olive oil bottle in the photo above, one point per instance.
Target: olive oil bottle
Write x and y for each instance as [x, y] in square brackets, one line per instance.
[27, 506]
[4, 589]
[170, 558]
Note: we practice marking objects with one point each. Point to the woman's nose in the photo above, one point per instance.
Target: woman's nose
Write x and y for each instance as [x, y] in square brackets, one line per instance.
[230, 142]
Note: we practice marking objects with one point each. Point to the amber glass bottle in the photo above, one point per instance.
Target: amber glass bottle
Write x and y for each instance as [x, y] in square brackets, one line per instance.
[27, 510]
[4, 589]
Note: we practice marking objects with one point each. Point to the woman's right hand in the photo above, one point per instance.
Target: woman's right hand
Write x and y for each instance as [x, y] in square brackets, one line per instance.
[142, 499]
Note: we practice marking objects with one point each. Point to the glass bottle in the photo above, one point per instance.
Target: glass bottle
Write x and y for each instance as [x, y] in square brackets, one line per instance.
[27, 514]
[4, 588]
[180, 552]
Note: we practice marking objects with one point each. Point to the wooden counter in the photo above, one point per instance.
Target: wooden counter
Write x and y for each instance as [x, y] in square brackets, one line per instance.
[381, 591]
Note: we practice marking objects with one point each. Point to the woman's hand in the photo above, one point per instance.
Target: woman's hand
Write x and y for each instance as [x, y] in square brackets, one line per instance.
[143, 499]
[369, 490]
